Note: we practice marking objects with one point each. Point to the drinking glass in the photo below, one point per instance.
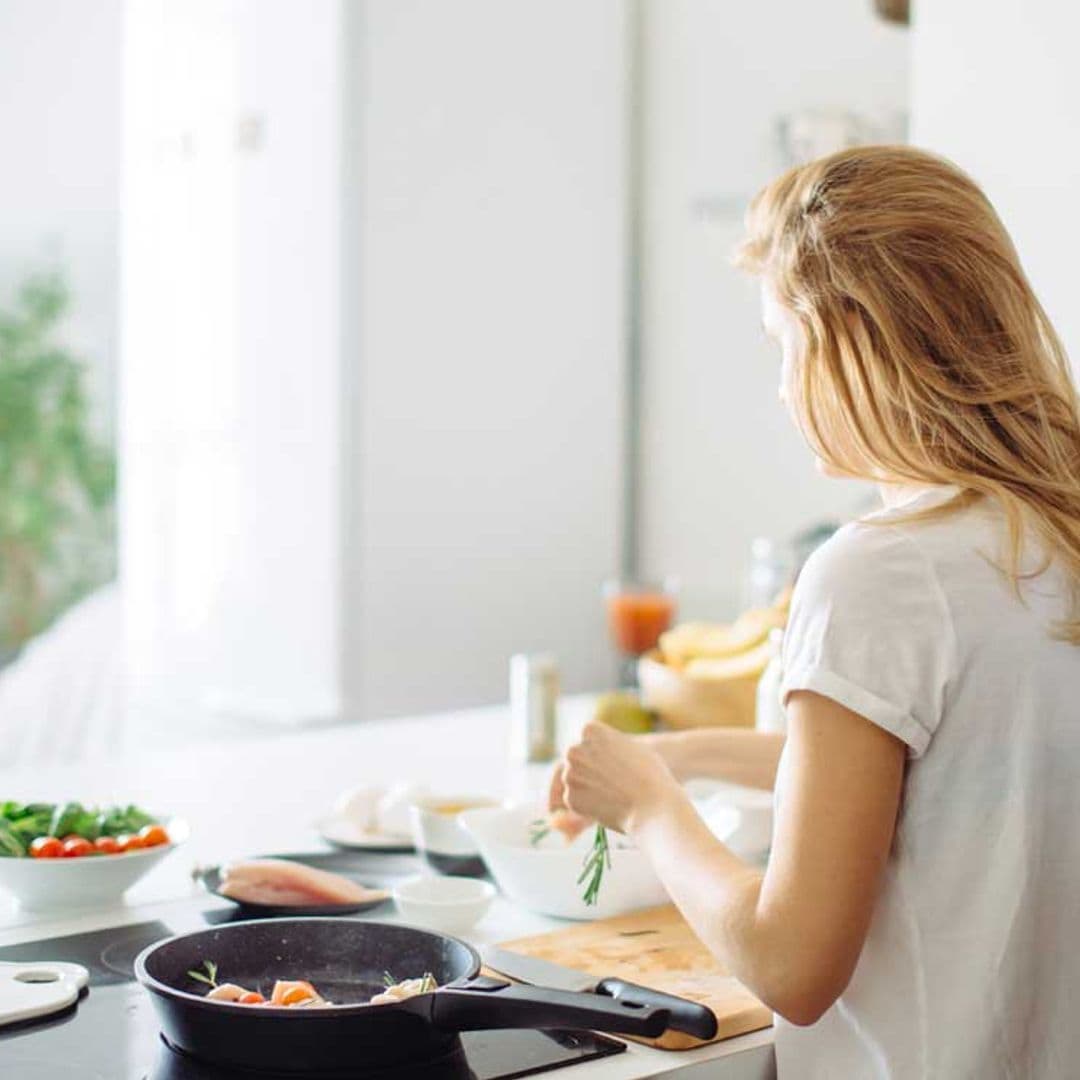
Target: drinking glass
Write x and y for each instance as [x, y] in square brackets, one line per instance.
[638, 612]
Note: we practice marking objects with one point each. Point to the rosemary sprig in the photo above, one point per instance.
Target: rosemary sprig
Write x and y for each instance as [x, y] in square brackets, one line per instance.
[538, 830]
[427, 982]
[596, 862]
[210, 978]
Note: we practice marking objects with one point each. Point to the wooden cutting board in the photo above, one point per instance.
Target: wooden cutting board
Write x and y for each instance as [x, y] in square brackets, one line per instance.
[654, 948]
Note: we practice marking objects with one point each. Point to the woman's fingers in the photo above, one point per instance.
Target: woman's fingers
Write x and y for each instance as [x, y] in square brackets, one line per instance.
[568, 823]
[557, 789]
[561, 818]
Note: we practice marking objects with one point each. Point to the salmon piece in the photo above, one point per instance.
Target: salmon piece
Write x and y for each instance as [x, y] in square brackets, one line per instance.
[296, 992]
[568, 823]
[289, 884]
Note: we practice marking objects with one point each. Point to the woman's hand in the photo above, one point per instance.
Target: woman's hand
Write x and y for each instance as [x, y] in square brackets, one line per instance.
[611, 778]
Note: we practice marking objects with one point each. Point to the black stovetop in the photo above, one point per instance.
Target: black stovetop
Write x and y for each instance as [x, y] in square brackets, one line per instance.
[112, 1033]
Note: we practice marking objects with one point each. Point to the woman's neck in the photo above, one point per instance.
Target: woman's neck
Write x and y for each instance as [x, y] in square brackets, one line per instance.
[896, 493]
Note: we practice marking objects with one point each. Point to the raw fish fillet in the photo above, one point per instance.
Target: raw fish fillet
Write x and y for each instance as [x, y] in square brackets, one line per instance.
[289, 884]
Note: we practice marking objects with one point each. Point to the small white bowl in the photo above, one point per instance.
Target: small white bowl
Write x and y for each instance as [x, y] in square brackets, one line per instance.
[450, 904]
[439, 837]
[90, 881]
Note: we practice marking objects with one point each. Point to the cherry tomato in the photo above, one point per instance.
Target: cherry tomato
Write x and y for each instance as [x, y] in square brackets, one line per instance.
[47, 847]
[106, 845]
[130, 843]
[252, 997]
[76, 847]
[153, 835]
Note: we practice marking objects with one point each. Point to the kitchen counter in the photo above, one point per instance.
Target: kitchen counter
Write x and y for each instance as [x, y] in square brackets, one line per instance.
[258, 795]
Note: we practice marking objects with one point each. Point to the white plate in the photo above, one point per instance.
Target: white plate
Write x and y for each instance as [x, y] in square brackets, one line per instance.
[338, 830]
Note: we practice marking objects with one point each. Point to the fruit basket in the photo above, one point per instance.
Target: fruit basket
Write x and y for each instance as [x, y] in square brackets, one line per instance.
[706, 674]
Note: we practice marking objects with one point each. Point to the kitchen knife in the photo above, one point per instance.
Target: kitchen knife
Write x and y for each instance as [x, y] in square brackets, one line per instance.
[686, 1016]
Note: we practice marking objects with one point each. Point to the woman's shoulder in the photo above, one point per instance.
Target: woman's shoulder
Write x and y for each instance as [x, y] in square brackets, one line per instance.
[864, 558]
[897, 548]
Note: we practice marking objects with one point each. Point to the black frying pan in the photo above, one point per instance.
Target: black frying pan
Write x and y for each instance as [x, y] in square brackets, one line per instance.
[345, 960]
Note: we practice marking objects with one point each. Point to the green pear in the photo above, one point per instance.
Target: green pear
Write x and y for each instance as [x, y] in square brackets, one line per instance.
[624, 712]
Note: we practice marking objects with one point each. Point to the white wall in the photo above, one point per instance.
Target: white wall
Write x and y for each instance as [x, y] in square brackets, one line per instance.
[60, 111]
[721, 462]
[490, 301]
[997, 89]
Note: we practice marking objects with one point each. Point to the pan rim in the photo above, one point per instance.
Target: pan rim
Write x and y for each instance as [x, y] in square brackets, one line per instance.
[156, 986]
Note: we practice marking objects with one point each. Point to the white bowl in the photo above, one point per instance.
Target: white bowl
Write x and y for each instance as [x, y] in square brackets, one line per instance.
[90, 881]
[449, 904]
[439, 837]
[742, 818]
[544, 878]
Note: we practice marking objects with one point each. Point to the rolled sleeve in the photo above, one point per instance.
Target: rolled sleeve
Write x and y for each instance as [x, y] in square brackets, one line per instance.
[869, 630]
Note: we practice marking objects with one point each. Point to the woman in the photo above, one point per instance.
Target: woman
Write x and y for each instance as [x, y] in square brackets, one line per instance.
[920, 912]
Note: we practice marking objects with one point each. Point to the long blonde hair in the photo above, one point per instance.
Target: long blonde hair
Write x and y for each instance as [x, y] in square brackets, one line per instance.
[927, 356]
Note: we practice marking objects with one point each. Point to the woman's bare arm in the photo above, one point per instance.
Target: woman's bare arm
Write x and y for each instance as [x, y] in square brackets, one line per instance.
[792, 933]
[737, 755]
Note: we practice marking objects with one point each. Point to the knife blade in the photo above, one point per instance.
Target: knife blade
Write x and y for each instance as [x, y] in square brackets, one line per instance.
[536, 972]
[686, 1016]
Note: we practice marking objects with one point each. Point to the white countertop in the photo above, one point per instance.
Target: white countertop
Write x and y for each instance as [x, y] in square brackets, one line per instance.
[256, 795]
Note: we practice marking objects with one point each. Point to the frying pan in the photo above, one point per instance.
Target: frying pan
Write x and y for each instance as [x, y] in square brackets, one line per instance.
[345, 960]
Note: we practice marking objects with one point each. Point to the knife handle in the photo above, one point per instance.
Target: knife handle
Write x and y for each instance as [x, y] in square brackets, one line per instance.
[686, 1016]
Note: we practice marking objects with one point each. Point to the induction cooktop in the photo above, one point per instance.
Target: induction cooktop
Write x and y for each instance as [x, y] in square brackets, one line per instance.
[112, 1032]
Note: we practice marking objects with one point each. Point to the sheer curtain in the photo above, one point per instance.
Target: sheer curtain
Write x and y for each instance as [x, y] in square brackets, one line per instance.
[231, 364]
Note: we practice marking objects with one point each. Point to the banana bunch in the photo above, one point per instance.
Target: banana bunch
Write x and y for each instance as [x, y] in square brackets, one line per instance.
[721, 652]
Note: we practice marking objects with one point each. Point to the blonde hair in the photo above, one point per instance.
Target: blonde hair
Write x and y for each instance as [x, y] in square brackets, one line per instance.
[927, 356]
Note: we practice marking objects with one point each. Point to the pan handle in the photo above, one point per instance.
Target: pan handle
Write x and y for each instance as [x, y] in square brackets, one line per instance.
[484, 1003]
[687, 1016]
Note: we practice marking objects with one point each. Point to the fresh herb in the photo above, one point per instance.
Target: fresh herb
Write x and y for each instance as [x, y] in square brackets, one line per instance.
[20, 824]
[427, 982]
[210, 977]
[124, 819]
[538, 829]
[596, 862]
[73, 819]
[10, 842]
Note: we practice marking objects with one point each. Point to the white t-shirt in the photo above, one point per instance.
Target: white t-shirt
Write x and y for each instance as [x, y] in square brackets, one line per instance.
[971, 968]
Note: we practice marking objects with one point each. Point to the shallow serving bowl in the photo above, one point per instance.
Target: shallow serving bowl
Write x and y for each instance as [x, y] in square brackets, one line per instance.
[90, 881]
[544, 877]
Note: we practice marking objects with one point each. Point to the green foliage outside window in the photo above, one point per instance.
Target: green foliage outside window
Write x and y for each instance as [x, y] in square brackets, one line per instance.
[57, 477]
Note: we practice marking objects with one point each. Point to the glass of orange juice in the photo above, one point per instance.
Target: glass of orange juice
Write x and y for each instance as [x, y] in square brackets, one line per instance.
[638, 612]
